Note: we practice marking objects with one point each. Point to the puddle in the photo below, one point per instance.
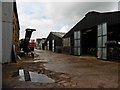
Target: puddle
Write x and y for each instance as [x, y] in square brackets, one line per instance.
[40, 61]
[36, 59]
[21, 74]
[35, 77]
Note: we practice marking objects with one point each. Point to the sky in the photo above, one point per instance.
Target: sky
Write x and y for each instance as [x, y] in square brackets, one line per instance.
[56, 16]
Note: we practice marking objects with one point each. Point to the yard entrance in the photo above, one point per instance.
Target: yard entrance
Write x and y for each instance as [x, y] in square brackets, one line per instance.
[89, 42]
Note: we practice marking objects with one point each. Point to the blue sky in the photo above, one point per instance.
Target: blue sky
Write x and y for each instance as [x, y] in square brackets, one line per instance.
[55, 16]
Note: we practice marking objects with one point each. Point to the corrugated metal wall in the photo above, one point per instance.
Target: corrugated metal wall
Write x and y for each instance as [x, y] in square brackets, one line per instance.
[77, 36]
[102, 39]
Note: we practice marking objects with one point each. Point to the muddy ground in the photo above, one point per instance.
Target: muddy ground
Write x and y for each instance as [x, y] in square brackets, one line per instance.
[66, 71]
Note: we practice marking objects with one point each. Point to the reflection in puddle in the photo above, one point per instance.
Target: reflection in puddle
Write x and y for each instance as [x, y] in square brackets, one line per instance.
[35, 77]
[21, 74]
[40, 61]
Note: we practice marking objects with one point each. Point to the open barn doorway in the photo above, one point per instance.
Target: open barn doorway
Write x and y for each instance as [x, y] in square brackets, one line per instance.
[89, 42]
[113, 42]
[50, 45]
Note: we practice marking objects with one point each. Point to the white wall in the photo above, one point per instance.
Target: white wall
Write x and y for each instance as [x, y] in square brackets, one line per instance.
[7, 13]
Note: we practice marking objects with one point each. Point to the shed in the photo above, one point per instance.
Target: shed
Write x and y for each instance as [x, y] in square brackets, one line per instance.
[54, 41]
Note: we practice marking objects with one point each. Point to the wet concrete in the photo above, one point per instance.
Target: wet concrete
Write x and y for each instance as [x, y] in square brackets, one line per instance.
[65, 70]
[38, 60]
[87, 71]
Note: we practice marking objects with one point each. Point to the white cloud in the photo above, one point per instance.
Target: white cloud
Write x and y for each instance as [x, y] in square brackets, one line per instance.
[64, 29]
[64, 0]
[54, 16]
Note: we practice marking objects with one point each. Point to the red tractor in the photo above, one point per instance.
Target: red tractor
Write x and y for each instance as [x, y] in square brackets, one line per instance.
[32, 45]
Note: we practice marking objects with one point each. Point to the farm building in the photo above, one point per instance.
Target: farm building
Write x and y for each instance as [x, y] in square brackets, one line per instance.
[40, 43]
[54, 41]
[9, 34]
[97, 34]
[38, 40]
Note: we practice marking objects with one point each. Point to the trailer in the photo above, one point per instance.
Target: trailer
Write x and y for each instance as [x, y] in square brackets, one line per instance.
[27, 39]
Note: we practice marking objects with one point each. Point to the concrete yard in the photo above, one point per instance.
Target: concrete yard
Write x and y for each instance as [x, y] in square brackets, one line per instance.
[64, 71]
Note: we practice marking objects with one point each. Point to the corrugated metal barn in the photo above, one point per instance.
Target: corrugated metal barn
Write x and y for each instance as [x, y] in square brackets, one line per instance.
[41, 44]
[54, 41]
[97, 34]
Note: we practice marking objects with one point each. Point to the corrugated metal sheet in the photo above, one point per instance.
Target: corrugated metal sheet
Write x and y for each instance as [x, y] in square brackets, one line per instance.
[59, 34]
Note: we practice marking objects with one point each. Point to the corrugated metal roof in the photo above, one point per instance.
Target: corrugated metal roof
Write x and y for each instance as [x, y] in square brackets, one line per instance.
[93, 19]
[59, 34]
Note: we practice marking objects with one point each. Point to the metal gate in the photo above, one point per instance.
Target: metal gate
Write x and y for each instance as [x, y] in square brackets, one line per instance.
[102, 39]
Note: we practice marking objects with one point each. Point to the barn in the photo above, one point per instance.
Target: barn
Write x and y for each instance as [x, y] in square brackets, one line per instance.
[97, 34]
[54, 41]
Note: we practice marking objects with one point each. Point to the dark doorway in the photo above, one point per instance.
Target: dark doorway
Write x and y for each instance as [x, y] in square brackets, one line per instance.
[43, 46]
[50, 45]
[113, 42]
[89, 42]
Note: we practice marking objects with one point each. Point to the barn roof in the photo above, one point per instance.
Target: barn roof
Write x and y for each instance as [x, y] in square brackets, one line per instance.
[93, 19]
[59, 34]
